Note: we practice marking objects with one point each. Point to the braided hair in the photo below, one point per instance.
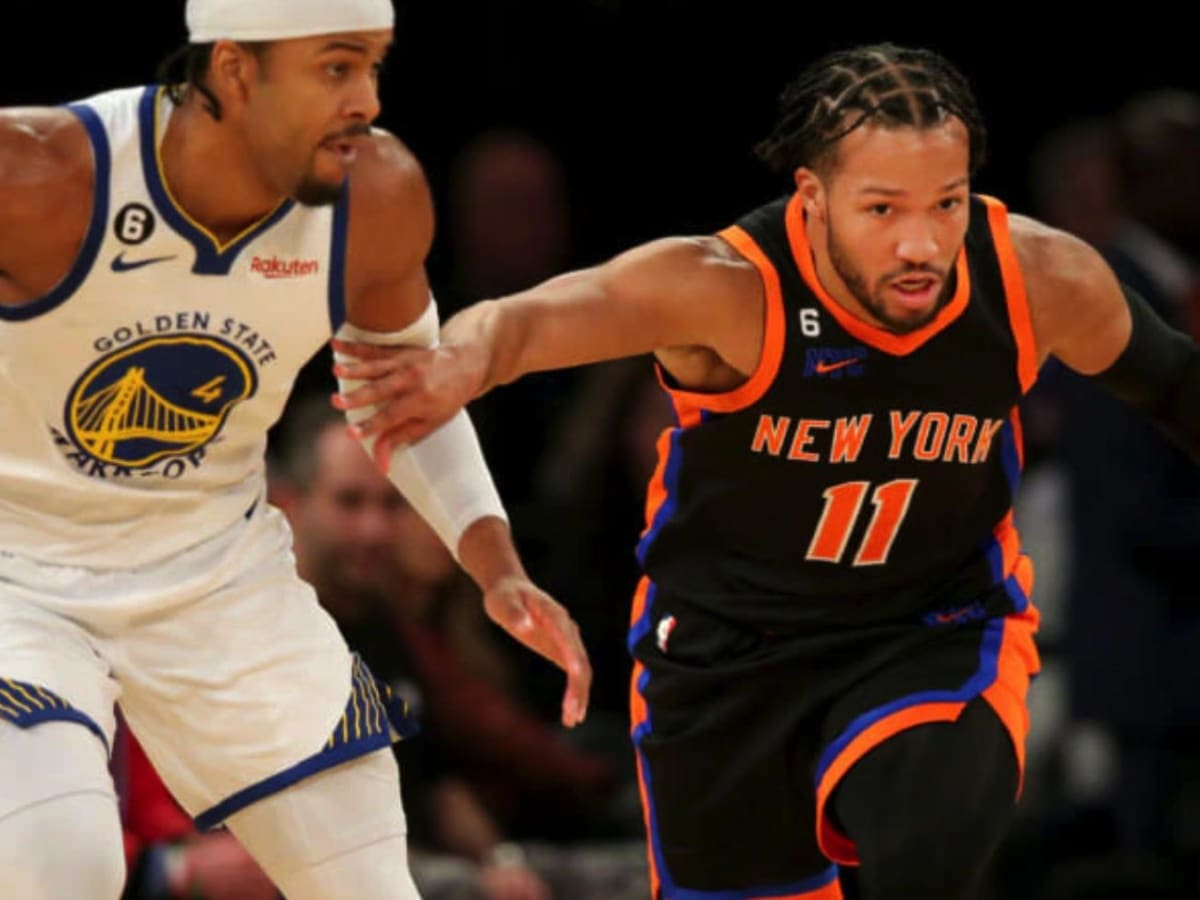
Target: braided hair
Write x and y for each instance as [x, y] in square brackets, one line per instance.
[882, 84]
[187, 69]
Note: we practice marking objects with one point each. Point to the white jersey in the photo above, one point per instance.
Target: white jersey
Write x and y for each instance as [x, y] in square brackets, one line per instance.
[136, 396]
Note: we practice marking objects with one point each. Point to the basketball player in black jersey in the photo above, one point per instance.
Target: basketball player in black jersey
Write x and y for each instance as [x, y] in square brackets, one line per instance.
[833, 638]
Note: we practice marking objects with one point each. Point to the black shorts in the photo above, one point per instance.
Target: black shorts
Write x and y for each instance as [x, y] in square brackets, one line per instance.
[742, 737]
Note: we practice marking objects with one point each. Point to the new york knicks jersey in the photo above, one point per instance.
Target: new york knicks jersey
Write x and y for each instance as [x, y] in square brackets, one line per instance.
[859, 475]
[138, 393]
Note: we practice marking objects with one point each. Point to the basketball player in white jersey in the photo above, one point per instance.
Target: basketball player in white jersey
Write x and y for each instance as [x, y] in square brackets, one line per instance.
[170, 258]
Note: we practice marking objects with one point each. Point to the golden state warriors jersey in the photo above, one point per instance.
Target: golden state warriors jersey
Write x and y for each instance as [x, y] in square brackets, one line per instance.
[137, 394]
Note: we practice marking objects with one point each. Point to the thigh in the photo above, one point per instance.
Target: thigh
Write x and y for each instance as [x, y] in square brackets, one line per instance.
[725, 805]
[985, 666]
[236, 690]
[60, 835]
[953, 780]
[50, 760]
[52, 670]
[338, 834]
[927, 807]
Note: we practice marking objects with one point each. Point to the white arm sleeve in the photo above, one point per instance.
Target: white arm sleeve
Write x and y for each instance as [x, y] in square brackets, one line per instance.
[443, 475]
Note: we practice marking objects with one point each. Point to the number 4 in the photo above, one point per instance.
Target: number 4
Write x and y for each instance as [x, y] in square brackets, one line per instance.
[842, 505]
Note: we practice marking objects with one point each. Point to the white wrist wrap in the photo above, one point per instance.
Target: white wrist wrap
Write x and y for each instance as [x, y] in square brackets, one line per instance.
[443, 475]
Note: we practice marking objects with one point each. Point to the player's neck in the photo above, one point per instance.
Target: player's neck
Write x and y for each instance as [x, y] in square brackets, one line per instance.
[212, 177]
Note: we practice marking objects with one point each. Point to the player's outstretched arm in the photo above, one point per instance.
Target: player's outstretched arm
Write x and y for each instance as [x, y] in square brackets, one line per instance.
[675, 296]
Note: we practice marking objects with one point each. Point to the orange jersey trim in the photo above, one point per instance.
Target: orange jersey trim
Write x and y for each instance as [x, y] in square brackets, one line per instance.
[1017, 660]
[688, 404]
[873, 335]
[656, 491]
[1014, 293]
[1008, 694]
[639, 715]
[1014, 563]
[1018, 436]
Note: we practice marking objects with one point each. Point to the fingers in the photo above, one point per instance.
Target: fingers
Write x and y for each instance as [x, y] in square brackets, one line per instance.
[569, 654]
[541, 624]
[368, 352]
[388, 387]
[367, 369]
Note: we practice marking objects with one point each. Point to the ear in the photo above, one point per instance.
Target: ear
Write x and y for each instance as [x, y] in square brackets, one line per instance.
[231, 72]
[812, 192]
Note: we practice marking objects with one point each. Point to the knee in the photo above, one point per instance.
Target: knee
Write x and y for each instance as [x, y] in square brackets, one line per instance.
[68, 846]
[929, 846]
[338, 835]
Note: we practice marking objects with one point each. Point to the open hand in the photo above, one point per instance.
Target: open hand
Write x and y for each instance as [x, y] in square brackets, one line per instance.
[532, 617]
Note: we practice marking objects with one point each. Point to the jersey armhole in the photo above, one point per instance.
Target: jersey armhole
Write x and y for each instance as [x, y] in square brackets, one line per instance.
[1014, 293]
[690, 403]
[102, 165]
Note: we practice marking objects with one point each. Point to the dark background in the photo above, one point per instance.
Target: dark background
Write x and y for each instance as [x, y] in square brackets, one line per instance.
[653, 105]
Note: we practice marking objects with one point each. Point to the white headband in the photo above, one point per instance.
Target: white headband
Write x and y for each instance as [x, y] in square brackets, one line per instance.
[272, 20]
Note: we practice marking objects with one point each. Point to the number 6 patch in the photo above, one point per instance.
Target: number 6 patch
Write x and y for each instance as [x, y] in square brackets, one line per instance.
[134, 224]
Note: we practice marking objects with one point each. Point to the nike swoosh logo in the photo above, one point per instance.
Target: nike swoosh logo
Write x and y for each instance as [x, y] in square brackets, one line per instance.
[824, 368]
[119, 263]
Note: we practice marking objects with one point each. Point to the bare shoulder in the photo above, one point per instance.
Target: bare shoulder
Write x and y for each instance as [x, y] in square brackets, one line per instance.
[46, 176]
[1075, 300]
[387, 180]
[1052, 258]
[703, 263]
[711, 296]
[41, 149]
[391, 212]
[390, 233]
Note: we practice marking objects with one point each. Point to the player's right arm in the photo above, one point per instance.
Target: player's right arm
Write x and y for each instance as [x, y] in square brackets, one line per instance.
[1082, 315]
[46, 174]
[694, 302]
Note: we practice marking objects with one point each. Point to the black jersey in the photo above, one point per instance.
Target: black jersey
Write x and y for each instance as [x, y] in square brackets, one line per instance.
[858, 475]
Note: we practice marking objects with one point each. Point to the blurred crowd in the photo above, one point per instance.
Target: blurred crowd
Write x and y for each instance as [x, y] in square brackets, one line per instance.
[505, 805]
[1110, 511]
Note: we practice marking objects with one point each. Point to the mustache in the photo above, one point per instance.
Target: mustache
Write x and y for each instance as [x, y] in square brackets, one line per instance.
[359, 129]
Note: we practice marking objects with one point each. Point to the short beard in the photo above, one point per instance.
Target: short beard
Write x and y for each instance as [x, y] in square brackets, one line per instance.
[857, 284]
[313, 193]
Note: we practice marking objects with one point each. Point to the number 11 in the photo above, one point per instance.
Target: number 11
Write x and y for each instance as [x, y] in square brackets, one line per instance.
[842, 505]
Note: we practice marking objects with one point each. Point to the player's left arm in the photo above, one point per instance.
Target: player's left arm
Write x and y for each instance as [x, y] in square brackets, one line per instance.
[1093, 324]
[444, 476]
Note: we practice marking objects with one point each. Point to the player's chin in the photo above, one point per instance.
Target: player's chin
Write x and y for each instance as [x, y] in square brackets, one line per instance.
[320, 188]
[903, 320]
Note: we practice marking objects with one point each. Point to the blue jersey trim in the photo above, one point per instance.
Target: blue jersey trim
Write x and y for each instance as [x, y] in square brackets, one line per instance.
[324, 760]
[212, 258]
[27, 705]
[102, 159]
[992, 638]
[337, 261]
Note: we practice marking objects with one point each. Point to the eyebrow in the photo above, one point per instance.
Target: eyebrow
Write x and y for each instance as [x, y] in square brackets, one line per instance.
[353, 47]
[896, 192]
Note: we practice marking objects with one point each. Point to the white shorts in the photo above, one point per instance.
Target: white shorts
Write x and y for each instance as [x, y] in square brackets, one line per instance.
[236, 682]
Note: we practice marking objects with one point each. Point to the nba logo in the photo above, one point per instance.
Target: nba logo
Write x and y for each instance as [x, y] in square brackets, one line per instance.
[663, 633]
